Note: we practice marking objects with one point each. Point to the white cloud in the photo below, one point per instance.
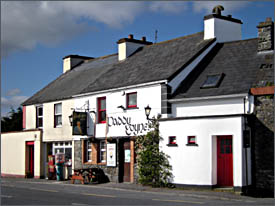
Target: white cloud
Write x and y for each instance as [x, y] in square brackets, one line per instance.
[25, 24]
[169, 7]
[13, 92]
[11, 102]
[229, 6]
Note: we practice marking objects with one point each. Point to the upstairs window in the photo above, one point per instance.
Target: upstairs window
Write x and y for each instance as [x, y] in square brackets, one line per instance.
[58, 115]
[131, 100]
[39, 117]
[101, 104]
[212, 81]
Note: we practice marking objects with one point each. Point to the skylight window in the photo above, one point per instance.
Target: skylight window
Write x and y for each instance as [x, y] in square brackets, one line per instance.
[212, 81]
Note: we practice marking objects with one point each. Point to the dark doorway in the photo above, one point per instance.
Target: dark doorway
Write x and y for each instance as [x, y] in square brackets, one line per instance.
[30, 159]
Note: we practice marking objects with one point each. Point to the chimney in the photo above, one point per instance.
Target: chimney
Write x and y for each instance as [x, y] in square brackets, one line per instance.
[71, 61]
[265, 35]
[223, 28]
[127, 46]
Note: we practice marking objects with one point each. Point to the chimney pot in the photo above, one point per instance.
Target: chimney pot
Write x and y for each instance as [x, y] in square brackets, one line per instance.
[268, 19]
[130, 36]
[143, 38]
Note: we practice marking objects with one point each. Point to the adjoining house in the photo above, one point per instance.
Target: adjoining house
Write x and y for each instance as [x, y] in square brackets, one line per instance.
[213, 90]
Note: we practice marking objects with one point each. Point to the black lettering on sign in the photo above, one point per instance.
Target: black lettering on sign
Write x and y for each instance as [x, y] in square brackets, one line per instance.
[130, 129]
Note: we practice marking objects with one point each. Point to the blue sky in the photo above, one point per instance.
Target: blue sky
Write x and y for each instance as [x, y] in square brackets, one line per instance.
[35, 36]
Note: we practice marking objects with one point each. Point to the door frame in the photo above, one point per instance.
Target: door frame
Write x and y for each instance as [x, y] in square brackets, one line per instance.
[231, 177]
[29, 159]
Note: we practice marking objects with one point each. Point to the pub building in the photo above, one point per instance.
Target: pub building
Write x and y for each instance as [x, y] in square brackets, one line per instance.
[213, 90]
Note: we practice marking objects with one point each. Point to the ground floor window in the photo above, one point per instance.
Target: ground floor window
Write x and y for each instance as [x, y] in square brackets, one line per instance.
[63, 147]
[94, 151]
[102, 154]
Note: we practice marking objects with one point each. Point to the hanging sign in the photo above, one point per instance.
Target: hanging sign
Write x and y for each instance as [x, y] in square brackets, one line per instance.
[111, 155]
[79, 123]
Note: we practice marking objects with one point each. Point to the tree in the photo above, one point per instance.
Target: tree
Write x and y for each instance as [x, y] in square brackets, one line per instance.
[153, 165]
[14, 122]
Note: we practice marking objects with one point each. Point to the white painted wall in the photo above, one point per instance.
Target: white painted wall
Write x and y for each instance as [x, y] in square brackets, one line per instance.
[63, 133]
[218, 106]
[30, 117]
[125, 49]
[197, 165]
[147, 95]
[174, 83]
[223, 30]
[13, 152]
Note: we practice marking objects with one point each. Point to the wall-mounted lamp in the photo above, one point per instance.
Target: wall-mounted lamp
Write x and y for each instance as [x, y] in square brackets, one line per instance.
[147, 112]
[121, 107]
[71, 119]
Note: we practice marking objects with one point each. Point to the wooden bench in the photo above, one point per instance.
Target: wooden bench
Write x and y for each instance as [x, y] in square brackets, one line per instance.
[85, 175]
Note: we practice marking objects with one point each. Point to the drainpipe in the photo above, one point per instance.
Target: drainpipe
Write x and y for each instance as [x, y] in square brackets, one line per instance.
[246, 163]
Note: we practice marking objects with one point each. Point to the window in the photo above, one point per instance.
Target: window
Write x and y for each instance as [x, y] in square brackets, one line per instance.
[39, 116]
[101, 104]
[131, 100]
[212, 81]
[89, 151]
[102, 151]
[63, 147]
[191, 141]
[57, 115]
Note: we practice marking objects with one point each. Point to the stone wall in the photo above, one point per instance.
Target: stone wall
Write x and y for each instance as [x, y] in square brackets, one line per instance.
[262, 144]
[110, 172]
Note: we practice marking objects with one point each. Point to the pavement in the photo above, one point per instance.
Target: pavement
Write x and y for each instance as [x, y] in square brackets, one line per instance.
[208, 194]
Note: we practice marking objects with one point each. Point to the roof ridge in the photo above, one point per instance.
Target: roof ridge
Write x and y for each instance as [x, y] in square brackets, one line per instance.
[182, 37]
[242, 40]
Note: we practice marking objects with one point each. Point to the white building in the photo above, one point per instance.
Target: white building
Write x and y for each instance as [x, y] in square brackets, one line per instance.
[200, 84]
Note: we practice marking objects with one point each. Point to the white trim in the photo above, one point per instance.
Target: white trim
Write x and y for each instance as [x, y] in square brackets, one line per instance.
[208, 97]
[121, 88]
[175, 82]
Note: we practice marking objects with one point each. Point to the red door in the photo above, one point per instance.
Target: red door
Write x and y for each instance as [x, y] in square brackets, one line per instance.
[224, 161]
[30, 146]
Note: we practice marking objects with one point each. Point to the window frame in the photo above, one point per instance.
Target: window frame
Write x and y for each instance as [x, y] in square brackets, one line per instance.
[128, 100]
[99, 110]
[39, 116]
[192, 143]
[89, 148]
[62, 145]
[57, 115]
[172, 141]
[101, 158]
[213, 85]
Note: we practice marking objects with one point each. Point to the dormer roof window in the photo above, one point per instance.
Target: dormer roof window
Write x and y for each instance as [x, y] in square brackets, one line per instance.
[212, 81]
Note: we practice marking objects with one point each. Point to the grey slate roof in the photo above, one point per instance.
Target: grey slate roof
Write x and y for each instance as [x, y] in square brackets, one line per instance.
[73, 82]
[238, 60]
[155, 62]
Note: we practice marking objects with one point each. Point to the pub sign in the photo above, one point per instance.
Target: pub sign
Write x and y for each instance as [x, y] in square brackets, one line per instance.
[79, 123]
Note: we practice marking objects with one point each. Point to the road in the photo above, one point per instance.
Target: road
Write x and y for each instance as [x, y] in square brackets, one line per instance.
[57, 193]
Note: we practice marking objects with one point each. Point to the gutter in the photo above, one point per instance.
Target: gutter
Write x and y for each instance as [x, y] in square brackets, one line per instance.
[207, 98]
